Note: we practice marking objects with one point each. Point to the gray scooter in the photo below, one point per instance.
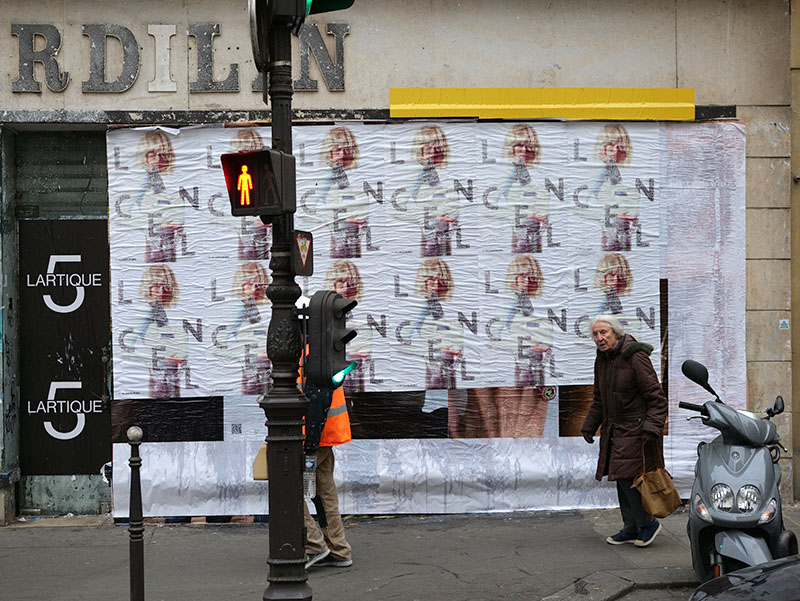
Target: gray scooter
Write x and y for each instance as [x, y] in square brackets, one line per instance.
[735, 517]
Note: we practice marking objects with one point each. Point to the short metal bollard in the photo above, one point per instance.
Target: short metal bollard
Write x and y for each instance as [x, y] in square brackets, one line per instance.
[136, 520]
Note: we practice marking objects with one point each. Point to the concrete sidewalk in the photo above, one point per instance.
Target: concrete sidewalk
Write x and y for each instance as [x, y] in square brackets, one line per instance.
[530, 556]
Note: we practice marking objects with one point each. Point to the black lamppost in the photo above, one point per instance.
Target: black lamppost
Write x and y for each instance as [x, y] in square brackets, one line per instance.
[284, 407]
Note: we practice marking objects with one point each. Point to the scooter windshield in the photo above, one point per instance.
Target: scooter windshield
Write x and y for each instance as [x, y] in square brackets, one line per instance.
[740, 427]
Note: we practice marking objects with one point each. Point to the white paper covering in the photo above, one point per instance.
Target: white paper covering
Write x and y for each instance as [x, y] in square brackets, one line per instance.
[680, 185]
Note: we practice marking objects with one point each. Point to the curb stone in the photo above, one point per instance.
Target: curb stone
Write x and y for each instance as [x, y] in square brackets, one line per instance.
[607, 585]
[598, 586]
[674, 577]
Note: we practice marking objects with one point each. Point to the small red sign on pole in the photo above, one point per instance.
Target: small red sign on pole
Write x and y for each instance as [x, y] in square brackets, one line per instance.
[303, 253]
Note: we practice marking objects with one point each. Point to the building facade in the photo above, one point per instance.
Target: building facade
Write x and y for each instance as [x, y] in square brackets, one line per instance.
[73, 71]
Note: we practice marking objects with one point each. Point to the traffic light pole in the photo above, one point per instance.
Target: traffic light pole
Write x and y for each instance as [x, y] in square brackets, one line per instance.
[284, 407]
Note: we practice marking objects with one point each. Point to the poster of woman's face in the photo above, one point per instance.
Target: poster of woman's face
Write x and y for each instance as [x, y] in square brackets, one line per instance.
[439, 332]
[440, 216]
[159, 211]
[615, 191]
[526, 200]
[434, 280]
[248, 332]
[250, 283]
[156, 155]
[159, 286]
[431, 149]
[614, 145]
[530, 333]
[522, 146]
[159, 289]
[524, 276]
[339, 196]
[340, 151]
[246, 140]
[344, 278]
[615, 279]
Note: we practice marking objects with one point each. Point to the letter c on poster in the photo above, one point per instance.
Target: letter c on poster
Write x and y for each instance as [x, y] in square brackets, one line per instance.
[79, 293]
[48, 426]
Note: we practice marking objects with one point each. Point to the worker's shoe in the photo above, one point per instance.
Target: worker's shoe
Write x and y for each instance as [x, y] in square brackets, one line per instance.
[331, 562]
[314, 558]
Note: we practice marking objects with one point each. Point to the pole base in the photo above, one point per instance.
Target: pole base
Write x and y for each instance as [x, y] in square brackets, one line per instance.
[294, 591]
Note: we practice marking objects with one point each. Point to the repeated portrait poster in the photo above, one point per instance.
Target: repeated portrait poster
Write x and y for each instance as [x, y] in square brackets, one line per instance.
[478, 254]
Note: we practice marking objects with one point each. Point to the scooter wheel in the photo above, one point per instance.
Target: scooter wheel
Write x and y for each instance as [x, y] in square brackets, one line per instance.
[787, 544]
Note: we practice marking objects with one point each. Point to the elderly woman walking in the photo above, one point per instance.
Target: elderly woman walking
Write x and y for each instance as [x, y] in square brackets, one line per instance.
[631, 409]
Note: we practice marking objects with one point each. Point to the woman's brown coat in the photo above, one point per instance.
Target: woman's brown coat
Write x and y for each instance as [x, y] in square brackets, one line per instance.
[628, 401]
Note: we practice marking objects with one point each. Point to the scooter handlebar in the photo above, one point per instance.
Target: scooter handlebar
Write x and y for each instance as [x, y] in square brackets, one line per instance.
[692, 406]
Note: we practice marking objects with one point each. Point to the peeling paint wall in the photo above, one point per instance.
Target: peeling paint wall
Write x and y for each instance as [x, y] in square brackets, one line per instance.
[9, 401]
[59, 495]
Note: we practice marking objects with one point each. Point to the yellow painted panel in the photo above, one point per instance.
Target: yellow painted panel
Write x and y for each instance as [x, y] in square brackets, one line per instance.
[260, 471]
[661, 104]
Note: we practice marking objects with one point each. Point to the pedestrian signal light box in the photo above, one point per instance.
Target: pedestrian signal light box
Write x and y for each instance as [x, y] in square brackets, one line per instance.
[260, 183]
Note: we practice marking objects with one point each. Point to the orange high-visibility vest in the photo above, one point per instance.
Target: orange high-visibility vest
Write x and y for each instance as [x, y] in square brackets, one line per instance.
[337, 425]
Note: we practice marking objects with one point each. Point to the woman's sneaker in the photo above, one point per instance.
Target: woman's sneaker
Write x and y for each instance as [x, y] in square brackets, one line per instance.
[622, 537]
[648, 534]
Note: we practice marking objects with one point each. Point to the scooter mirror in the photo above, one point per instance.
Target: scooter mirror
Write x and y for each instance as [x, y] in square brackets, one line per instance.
[778, 407]
[697, 373]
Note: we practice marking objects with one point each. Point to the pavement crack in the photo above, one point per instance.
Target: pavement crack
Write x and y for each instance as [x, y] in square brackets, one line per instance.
[440, 568]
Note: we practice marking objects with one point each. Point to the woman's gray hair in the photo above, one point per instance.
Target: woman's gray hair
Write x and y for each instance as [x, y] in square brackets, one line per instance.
[612, 321]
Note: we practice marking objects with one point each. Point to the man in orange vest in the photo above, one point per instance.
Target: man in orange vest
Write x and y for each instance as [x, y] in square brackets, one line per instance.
[327, 425]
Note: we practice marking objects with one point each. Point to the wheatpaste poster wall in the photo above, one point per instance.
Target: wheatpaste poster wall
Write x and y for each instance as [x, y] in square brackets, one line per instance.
[478, 253]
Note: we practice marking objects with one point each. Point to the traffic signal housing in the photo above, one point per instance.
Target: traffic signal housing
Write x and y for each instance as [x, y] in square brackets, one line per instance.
[326, 364]
[314, 7]
[260, 182]
[293, 12]
[268, 14]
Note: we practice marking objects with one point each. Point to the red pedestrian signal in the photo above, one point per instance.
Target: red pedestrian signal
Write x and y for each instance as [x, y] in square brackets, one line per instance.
[244, 185]
[260, 182]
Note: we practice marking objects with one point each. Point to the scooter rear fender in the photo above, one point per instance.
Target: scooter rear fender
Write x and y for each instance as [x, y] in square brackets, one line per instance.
[742, 547]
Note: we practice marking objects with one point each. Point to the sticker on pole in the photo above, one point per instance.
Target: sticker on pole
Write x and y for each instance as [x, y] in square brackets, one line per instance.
[303, 253]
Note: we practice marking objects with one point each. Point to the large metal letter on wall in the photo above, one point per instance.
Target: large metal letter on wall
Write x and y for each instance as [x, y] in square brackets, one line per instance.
[64, 333]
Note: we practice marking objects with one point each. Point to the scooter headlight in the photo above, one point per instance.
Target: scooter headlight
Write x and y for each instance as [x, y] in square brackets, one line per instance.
[722, 497]
[769, 512]
[748, 498]
[701, 508]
